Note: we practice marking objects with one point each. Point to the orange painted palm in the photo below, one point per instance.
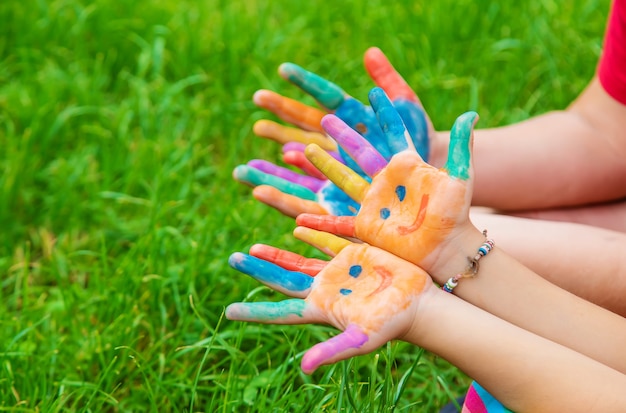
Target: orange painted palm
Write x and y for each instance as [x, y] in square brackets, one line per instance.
[410, 208]
[368, 293]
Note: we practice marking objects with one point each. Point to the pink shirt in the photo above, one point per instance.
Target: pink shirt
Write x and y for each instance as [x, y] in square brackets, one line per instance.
[612, 66]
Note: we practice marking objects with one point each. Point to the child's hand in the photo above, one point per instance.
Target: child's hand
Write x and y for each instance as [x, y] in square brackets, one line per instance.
[410, 209]
[333, 99]
[293, 193]
[369, 294]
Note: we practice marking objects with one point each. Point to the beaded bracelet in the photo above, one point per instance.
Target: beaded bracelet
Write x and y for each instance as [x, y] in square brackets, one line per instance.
[472, 268]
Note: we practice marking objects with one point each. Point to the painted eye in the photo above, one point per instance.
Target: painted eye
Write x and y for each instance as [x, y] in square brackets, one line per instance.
[384, 213]
[355, 271]
[401, 192]
[345, 291]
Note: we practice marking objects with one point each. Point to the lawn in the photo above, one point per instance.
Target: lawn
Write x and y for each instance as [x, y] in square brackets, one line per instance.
[120, 124]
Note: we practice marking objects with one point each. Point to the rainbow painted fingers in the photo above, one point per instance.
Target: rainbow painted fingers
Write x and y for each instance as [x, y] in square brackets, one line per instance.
[369, 294]
[410, 208]
[294, 193]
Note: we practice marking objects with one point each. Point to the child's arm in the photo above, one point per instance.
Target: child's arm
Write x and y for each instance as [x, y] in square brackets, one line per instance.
[373, 297]
[584, 260]
[421, 213]
[525, 372]
[563, 158]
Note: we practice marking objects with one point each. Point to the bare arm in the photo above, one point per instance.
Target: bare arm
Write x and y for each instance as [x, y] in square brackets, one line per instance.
[525, 372]
[512, 292]
[584, 260]
[608, 215]
[560, 159]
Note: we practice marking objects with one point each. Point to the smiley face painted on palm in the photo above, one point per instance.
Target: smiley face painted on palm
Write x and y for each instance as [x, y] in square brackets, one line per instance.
[411, 207]
[369, 294]
[366, 285]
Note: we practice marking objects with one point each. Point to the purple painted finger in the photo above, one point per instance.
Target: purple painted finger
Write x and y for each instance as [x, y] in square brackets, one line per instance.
[313, 184]
[340, 347]
[359, 149]
[294, 146]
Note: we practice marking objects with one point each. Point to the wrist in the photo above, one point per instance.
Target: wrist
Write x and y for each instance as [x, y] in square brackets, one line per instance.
[452, 256]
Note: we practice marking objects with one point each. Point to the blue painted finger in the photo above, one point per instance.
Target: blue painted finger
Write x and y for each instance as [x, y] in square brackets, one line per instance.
[362, 119]
[396, 134]
[292, 283]
[416, 124]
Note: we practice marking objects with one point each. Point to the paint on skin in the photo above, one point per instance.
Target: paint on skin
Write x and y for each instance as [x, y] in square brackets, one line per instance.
[355, 271]
[253, 176]
[270, 273]
[389, 120]
[459, 153]
[385, 213]
[358, 116]
[336, 201]
[416, 126]
[311, 183]
[367, 152]
[401, 192]
[327, 93]
[403, 123]
[386, 276]
[345, 291]
[266, 311]
[419, 218]
[321, 353]
[346, 179]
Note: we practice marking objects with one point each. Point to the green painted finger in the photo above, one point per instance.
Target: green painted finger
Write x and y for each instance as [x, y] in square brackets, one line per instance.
[325, 92]
[283, 312]
[460, 151]
[255, 177]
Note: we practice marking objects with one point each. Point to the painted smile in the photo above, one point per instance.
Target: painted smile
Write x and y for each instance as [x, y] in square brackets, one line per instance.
[419, 218]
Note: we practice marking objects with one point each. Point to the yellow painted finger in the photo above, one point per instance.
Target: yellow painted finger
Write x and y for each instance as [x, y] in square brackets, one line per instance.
[327, 243]
[285, 134]
[345, 178]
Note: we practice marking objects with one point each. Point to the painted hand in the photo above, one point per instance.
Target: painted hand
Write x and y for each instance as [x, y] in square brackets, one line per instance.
[293, 193]
[358, 116]
[410, 208]
[369, 294]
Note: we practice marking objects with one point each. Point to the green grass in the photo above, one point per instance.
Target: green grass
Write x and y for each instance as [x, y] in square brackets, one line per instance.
[120, 124]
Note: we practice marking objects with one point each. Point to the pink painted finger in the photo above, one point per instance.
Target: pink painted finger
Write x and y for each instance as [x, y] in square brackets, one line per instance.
[287, 259]
[313, 184]
[359, 149]
[342, 226]
[343, 346]
[385, 75]
[299, 160]
[293, 146]
[289, 205]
